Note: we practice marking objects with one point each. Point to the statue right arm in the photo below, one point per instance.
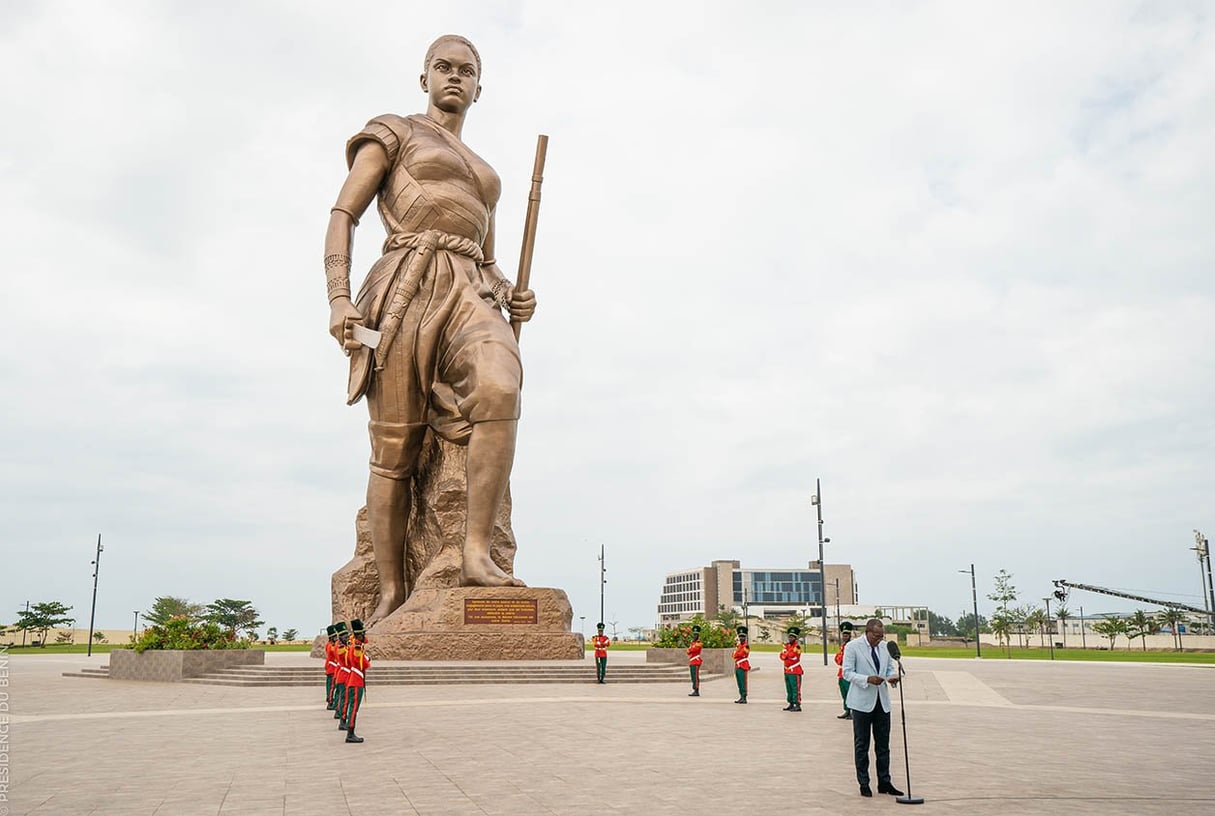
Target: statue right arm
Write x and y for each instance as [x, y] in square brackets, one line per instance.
[366, 174]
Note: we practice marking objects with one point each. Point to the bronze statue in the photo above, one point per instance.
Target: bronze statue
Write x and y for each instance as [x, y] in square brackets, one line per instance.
[429, 345]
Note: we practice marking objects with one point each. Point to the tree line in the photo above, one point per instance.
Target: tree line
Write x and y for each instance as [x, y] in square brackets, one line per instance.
[235, 616]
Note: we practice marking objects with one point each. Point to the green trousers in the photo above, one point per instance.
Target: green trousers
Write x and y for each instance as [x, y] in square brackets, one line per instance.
[329, 690]
[339, 700]
[354, 698]
[741, 676]
[844, 692]
[793, 689]
[600, 668]
[695, 672]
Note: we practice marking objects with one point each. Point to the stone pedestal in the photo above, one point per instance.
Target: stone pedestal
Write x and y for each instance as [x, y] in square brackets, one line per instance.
[479, 623]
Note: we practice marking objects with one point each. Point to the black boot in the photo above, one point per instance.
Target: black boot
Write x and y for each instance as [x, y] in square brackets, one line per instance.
[847, 715]
[741, 700]
[788, 707]
[797, 707]
[342, 726]
[695, 693]
[353, 737]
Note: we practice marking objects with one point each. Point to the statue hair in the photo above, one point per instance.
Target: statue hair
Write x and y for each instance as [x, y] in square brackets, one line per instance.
[430, 52]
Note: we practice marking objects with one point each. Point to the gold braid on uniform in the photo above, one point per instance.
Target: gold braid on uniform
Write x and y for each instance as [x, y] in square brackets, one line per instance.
[337, 276]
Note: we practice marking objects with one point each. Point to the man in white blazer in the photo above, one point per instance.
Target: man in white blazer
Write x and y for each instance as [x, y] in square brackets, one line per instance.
[870, 672]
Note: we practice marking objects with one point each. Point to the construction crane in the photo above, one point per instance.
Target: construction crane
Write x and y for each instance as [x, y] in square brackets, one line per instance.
[1062, 586]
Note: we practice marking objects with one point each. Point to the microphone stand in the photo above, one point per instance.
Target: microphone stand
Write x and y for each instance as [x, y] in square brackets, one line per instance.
[908, 799]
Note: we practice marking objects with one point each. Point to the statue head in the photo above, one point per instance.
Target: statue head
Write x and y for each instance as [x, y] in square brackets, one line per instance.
[451, 75]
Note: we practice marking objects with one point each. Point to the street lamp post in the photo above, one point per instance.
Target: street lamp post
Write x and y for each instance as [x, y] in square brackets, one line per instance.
[1083, 642]
[93, 613]
[135, 630]
[974, 596]
[602, 581]
[27, 609]
[817, 501]
[1052, 631]
[583, 619]
[1203, 548]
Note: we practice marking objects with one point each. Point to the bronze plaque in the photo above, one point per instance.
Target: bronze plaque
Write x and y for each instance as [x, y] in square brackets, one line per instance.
[500, 610]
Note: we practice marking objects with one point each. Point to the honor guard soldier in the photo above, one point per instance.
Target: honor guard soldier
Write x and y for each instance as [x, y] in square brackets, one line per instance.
[792, 657]
[601, 642]
[357, 663]
[694, 660]
[845, 636]
[330, 665]
[742, 664]
[340, 672]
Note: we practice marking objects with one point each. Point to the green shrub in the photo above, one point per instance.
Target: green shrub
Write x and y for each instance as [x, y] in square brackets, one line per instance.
[712, 635]
[180, 633]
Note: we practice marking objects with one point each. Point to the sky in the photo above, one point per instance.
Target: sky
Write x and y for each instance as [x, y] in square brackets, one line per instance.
[953, 259]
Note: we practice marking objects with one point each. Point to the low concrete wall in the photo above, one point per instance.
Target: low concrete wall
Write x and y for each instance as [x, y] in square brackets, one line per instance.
[173, 666]
[716, 661]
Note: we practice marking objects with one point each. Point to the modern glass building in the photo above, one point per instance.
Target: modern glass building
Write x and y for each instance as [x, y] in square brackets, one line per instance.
[766, 593]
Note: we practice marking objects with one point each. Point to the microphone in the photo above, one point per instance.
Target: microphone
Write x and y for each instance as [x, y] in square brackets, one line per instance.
[892, 648]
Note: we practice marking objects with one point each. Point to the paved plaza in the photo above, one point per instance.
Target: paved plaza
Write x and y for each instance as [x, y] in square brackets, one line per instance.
[987, 737]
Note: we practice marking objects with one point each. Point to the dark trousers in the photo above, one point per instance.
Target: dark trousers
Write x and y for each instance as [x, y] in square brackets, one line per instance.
[600, 668]
[879, 721]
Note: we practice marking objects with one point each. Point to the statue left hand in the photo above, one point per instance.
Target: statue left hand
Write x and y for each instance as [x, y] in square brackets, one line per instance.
[522, 304]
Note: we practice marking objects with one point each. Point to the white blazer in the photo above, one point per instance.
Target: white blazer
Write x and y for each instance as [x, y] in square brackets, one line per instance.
[858, 667]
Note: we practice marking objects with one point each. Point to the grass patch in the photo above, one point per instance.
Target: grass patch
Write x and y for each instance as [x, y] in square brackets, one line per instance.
[1071, 653]
[106, 648]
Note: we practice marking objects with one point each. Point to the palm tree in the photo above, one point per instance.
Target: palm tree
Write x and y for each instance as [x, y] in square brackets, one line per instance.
[1001, 626]
[1036, 619]
[1141, 625]
[1111, 628]
[1172, 619]
[1064, 615]
[727, 617]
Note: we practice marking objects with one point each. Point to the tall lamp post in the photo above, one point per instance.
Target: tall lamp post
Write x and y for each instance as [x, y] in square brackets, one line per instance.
[1203, 548]
[817, 501]
[93, 613]
[602, 581]
[135, 631]
[1052, 630]
[1083, 642]
[974, 596]
[27, 609]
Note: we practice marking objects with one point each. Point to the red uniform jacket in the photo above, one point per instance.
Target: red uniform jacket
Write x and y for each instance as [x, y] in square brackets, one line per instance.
[330, 657]
[792, 655]
[343, 671]
[839, 661]
[357, 661]
[742, 657]
[694, 658]
[601, 643]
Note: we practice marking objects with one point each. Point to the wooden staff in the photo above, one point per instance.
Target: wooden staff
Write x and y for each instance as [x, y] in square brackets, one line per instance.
[529, 226]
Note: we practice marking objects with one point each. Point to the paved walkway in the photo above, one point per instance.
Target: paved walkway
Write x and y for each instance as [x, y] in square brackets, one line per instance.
[987, 737]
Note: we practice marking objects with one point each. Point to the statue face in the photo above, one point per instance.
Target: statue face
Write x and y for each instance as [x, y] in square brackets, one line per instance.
[451, 78]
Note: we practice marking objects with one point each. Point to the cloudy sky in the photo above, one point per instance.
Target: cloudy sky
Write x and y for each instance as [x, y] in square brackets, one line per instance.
[954, 259]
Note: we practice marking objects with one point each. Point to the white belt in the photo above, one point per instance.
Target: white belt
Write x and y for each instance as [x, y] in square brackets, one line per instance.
[356, 671]
[793, 665]
[739, 663]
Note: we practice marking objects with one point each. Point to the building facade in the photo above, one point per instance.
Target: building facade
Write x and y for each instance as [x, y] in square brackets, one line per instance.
[764, 593]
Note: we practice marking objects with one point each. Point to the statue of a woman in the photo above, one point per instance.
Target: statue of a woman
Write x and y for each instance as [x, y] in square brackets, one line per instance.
[446, 358]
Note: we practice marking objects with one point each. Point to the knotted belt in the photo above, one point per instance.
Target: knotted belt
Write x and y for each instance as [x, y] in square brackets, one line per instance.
[424, 245]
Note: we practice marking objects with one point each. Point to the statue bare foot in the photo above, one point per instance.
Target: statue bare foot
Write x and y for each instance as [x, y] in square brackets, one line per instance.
[481, 570]
[388, 604]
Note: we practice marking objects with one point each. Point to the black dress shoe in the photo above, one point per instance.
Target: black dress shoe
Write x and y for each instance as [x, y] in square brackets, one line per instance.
[865, 791]
[847, 715]
[741, 700]
[788, 707]
[353, 737]
[886, 787]
[341, 726]
[694, 694]
[797, 707]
